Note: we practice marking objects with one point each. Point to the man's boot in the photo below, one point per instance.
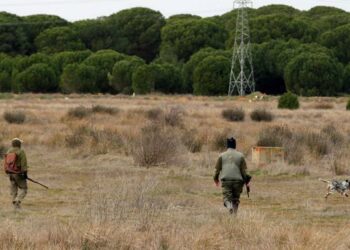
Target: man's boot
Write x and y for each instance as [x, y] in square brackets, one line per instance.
[16, 204]
[229, 206]
[235, 207]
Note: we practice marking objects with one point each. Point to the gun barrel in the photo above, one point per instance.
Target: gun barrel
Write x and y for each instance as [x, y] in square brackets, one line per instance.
[36, 182]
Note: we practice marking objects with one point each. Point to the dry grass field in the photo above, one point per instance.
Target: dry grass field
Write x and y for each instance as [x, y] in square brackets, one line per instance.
[102, 197]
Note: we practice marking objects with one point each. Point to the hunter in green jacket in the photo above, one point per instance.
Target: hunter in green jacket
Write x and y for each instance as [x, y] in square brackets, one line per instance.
[18, 181]
[230, 170]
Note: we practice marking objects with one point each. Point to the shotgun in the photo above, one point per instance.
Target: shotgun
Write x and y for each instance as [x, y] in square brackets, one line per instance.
[247, 181]
[36, 182]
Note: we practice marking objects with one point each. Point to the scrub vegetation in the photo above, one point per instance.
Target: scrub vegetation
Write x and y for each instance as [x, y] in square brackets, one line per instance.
[131, 180]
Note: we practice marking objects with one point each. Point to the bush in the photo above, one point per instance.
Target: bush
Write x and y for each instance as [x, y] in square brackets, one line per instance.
[98, 141]
[155, 114]
[155, 146]
[191, 141]
[275, 136]
[317, 143]
[334, 136]
[76, 138]
[79, 112]
[348, 105]
[261, 115]
[288, 101]
[282, 136]
[323, 105]
[218, 142]
[16, 117]
[233, 115]
[104, 110]
[173, 117]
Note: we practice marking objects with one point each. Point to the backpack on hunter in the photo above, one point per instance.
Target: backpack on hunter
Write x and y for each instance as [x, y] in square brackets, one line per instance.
[10, 164]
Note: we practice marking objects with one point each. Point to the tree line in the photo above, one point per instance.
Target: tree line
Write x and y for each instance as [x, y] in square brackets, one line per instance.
[139, 50]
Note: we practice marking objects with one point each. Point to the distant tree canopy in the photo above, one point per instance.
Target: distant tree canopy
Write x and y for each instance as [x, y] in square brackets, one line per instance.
[188, 35]
[58, 39]
[137, 32]
[312, 74]
[139, 50]
[121, 77]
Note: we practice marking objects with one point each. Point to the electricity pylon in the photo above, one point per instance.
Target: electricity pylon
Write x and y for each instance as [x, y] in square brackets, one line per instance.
[242, 72]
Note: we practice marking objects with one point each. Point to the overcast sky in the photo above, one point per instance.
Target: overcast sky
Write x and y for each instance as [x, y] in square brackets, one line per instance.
[73, 10]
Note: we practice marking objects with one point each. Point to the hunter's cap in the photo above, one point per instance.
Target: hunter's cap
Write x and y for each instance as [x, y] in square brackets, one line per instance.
[231, 142]
[17, 139]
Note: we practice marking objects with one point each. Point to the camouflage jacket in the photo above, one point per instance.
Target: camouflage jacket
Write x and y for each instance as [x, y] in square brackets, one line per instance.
[230, 166]
[21, 158]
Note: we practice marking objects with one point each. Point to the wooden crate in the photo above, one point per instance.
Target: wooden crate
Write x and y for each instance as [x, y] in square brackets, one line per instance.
[266, 155]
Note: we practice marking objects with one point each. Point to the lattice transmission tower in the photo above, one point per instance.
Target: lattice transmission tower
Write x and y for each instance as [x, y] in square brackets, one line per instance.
[242, 72]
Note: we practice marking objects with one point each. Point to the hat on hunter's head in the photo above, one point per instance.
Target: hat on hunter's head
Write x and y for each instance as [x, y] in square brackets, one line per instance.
[231, 143]
[16, 142]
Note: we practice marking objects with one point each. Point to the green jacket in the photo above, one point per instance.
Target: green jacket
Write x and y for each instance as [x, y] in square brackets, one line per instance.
[230, 166]
[21, 158]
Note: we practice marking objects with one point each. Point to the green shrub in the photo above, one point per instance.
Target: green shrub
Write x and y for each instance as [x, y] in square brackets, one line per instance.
[233, 115]
[348, 105]
[288, 101]
[16, 117]
[261, 115]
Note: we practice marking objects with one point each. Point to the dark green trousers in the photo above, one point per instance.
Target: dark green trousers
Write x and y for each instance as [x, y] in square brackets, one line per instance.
[231, 191]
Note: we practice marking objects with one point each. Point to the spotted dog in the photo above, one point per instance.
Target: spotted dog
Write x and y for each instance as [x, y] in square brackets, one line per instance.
[341, 187]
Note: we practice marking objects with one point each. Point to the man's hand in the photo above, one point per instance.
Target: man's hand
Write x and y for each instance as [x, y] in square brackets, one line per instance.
[24, 175]
[217, 183]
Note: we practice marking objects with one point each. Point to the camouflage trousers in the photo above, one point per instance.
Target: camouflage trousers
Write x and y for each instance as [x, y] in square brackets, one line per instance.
[18, 187]
[231, 191]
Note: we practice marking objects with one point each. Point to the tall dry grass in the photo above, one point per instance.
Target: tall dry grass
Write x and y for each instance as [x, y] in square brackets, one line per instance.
[100, 198]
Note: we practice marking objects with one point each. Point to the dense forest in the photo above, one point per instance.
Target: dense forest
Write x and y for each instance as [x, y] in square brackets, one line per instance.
[139, 50]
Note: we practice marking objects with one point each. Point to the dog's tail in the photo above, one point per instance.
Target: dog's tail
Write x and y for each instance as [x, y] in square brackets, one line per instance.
[324, 180]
